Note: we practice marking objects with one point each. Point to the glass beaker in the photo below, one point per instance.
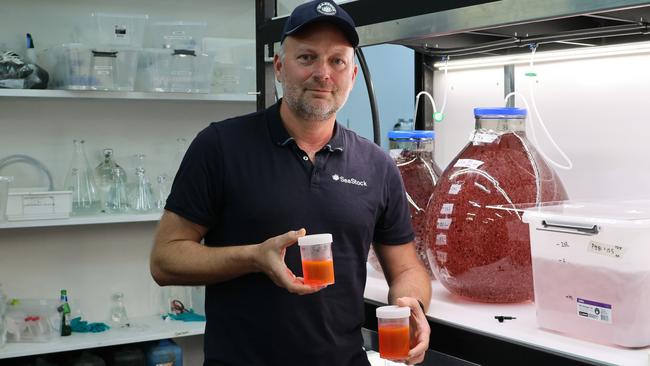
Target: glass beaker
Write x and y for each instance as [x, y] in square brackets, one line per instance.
[104, 173]
[117, 198]
[118, 319]
[412, 152]
[317, 262]
[80, 180]
[480, 253]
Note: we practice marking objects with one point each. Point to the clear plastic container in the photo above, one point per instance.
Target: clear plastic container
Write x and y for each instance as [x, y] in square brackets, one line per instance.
[122, 30]
[178, 35]
[317, 261]
[412, 151]
[590, 265]
[476, 252]
[75, 66]
[29, 320]
[231, 78]
[393, 329]
[182, 71]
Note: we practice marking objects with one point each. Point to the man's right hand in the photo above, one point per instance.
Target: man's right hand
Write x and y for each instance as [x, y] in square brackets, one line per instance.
[269, 258]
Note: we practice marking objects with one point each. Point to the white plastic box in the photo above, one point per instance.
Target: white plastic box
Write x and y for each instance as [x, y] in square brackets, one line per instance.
[75, 66]
[168, 70]
[591, 269]
[38, 204]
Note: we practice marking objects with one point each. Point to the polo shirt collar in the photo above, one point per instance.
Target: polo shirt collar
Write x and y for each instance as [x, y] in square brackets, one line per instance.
[281, 137]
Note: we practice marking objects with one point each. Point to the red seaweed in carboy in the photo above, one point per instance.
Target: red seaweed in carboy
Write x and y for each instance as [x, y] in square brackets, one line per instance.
[479, 253]
[412, 151]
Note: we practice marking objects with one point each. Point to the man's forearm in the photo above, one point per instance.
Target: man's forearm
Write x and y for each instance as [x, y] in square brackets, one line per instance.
[413, 282]
[191, 263]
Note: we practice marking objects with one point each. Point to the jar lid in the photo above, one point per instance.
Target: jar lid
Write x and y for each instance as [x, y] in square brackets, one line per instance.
[500, 112]
[414, 134]
[315, 239]
[393, 312]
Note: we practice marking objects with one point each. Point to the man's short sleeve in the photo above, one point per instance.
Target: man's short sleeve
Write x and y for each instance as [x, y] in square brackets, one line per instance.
[197, 187]
[394, 224]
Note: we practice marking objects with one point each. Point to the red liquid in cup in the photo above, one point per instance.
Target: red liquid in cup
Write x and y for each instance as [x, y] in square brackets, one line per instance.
[394, 342]
[318, 272]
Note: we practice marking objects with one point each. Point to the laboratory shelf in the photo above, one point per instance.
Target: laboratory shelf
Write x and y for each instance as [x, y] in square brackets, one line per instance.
[479, 318]
[91, 94]
[142, 329]
[84, 220]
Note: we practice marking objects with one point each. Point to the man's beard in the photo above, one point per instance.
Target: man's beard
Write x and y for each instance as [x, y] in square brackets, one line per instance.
[306, 110]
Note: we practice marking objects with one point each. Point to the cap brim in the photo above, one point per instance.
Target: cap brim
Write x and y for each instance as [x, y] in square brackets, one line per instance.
[349, 31]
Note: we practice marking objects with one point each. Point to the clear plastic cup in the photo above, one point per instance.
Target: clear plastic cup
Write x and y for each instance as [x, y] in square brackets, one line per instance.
[317, 262]
[393, 326]
[4, 196]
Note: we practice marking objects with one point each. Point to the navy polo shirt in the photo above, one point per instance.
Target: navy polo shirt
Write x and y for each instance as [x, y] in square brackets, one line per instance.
[246, 180]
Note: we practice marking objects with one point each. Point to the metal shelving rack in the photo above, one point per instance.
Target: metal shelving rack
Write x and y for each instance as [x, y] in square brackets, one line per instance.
[467, 29]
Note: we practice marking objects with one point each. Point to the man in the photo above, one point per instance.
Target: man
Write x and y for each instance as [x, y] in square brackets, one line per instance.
[251, 186]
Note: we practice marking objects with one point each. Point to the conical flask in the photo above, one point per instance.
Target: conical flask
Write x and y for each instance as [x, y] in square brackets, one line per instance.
[80, 180]
[142, 198]
[104, 173]
[117, 199]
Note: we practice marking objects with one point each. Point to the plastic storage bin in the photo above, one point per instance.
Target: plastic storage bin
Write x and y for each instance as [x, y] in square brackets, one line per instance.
[591, 271]
[38, 204]
[122, 30]
[75, 66]
[178, 35]
[30, 320]
[234, 64]
[167, 70]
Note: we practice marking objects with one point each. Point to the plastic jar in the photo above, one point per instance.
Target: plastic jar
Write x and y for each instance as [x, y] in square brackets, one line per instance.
[393, 329]
[317, 261]
[412, 151]
[480, 253]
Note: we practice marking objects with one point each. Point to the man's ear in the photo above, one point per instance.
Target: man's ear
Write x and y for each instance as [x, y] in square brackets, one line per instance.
[277, 67]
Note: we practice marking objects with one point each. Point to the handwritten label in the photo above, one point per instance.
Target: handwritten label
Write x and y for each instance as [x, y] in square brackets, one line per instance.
[614, 251]
[447, 209]
[482, 138]
[443, 224]
[468, 163]
[455, 188]
[441, 239]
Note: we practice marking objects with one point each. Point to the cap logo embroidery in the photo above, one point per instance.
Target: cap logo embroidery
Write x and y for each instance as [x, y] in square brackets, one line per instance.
[326, 8]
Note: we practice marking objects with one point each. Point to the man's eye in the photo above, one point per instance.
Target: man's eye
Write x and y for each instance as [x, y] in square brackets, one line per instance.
[305, 57]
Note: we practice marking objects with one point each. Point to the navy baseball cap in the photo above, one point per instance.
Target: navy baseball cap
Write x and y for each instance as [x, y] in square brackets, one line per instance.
[320, 11]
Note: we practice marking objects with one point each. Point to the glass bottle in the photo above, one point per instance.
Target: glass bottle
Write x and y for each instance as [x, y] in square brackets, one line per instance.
[162, 192]
[119, 319]
[104, 173]
[64, 309]
[117, 198]
[142, 199]
[412, 151]
[480, 253]
[80, 180]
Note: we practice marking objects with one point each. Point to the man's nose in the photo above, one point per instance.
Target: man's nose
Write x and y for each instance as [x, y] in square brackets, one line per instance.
[322, 70]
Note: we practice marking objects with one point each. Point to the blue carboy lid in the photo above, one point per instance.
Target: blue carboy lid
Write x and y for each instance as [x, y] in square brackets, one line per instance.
[500, 112]
[414, 134]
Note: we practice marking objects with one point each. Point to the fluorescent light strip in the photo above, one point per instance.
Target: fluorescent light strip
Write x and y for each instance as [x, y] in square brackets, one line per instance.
[550, 56]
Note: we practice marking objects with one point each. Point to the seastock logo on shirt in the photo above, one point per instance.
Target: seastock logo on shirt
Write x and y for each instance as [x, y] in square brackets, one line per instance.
[342, 179]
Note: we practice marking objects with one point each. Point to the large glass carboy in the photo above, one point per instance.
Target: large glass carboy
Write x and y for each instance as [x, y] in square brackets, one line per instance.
[480, 253]
[412, 151]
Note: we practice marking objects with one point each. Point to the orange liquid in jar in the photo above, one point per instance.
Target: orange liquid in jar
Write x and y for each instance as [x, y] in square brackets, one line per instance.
[393, 342]
[318, 272]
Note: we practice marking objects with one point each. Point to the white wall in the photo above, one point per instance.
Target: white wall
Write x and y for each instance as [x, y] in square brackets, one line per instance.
[596, 109]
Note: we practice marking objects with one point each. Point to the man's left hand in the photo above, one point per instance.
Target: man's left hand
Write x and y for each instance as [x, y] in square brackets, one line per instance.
[420, 330]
